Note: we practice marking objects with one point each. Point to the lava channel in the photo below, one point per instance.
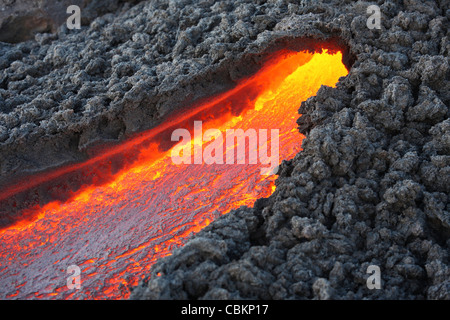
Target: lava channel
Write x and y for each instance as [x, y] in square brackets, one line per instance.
[114, 232]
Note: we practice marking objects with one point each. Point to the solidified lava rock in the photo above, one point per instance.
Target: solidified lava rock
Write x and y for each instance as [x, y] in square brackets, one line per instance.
[369, 188]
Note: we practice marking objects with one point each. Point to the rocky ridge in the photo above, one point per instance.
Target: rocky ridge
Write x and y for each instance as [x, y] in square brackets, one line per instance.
[369, 188]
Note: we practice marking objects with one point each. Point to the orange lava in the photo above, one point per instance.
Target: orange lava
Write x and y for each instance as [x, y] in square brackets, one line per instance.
[116, 231]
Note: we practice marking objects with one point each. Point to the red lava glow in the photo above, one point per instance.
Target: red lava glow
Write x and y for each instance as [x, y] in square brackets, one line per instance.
[116, 231]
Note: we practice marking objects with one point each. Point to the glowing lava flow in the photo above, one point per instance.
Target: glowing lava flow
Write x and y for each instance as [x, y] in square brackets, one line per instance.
[116, 231]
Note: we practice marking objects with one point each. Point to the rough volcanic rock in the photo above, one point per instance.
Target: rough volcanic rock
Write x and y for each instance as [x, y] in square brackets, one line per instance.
[20, 20]
[369, 188]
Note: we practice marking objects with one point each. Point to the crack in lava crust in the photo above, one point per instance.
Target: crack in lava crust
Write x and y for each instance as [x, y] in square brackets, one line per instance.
[115, 232]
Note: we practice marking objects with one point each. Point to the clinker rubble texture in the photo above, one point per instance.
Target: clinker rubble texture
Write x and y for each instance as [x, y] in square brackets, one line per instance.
[370, 187]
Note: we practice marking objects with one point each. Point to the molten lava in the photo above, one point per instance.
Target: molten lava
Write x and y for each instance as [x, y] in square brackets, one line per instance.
[116, 231]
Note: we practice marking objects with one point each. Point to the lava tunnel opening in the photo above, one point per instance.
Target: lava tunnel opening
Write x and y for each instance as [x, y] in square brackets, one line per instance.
[132, 203]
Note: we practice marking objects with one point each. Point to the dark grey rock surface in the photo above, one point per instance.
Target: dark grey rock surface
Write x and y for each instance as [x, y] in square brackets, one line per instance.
[370, 187]
[21, 20]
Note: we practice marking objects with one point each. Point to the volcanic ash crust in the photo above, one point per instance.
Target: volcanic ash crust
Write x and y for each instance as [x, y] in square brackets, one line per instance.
[370, 187]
